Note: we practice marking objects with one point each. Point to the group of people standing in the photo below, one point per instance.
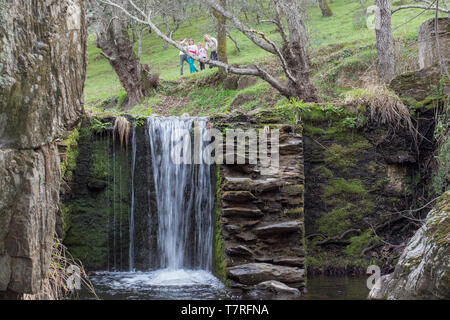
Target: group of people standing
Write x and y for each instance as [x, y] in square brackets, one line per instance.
[200, 50]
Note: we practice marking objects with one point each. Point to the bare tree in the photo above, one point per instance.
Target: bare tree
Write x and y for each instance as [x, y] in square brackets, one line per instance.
[385, 41]
[221, 36]
[325, 8]
[113, 38]
[292, 54]
[423, 4]
[168, 13]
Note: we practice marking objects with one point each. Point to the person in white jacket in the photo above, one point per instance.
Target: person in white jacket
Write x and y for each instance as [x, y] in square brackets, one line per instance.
[211, 44]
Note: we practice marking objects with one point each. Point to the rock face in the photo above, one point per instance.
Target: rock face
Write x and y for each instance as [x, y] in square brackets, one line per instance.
[262, 214]
[428, 51]
[423, 270]
[42, 70]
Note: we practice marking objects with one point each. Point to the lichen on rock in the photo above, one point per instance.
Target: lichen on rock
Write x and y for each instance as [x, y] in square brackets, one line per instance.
[423, 270]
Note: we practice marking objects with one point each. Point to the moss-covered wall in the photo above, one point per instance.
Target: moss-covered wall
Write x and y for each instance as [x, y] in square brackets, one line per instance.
[219, 263]
[361, 175]
[96, 208]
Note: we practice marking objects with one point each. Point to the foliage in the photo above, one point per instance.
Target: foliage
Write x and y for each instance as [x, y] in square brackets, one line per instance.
[55, 284]
[69, 162]
[384, 106]
[98, 127]
[358, 244]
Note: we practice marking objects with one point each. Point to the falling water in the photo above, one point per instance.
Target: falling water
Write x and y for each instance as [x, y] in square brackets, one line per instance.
[183, 195]
[133, 167]
[170, 216]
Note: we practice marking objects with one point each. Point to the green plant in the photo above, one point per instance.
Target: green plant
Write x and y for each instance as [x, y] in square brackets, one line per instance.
[358, 244]
[99, 127]
[61, 273]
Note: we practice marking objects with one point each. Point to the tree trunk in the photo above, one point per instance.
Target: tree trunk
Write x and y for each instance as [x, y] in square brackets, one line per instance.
[221, 37]
[325, 8]
[296, 54]
[118, 50]
[385, 42]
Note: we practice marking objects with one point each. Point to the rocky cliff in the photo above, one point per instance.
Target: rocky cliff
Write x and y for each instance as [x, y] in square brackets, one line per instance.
[423, 270]
[42, 71]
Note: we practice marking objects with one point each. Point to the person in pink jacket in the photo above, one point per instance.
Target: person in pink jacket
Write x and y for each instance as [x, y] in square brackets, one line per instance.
[202, 53]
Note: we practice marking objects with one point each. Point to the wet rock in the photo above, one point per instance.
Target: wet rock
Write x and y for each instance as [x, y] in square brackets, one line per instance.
[256, 186]
[290, 261]
[27, 226]
[232, 228]
[254, 273]
[97, 185]
[43, 61]
[239, 251]
[238, 196]
[277, 288]
[279, 228]
[249, 224]
[291, 147]
[246, 237]
[236, 184]
[423, 270]
[243, 212]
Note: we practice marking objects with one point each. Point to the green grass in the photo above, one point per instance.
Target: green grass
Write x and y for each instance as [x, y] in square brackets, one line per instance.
[102, 83]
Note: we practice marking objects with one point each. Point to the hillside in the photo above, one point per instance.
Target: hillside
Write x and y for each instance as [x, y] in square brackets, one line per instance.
[343, 55]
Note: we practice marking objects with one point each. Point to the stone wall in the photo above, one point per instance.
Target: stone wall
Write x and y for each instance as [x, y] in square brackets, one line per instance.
[428, 49]
[42, 70]
[262, 215]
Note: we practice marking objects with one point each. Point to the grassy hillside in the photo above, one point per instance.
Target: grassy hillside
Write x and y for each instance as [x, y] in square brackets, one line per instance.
[343, 50]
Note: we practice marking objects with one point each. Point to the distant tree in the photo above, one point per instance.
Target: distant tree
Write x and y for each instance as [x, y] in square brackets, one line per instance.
[385, 41]
[221, 36]
[384, 37]
[169, 13]
[325, 8]
[292, 52]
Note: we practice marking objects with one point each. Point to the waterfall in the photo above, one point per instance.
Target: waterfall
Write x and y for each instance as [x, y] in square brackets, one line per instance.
[160, 212]
[183, 195]
[133, 167]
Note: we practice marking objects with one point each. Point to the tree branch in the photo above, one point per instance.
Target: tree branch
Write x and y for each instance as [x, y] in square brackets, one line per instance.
[240, 26]
[418, 6]
[279, 54]
[255, 71]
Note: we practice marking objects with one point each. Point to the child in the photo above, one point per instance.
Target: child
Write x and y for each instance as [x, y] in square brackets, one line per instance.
[192, 48]
[183, 56]
[202, 54]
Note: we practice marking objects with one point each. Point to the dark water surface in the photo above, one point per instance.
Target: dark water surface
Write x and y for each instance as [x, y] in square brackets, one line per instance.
[201, 285]
[337, 288]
